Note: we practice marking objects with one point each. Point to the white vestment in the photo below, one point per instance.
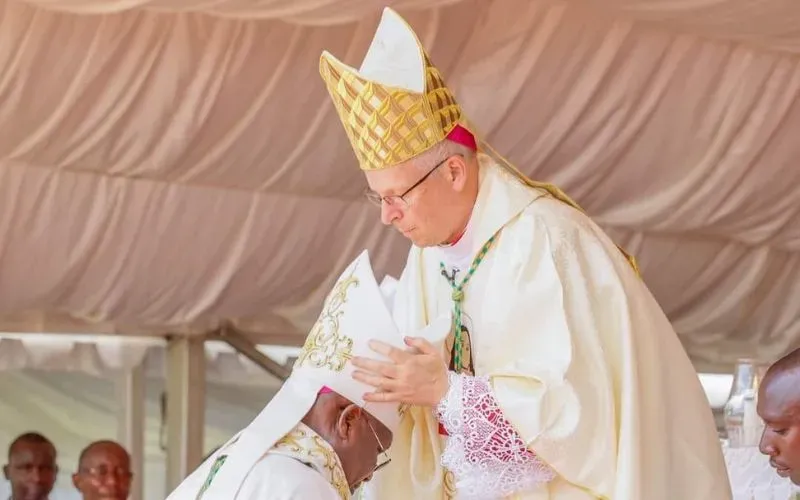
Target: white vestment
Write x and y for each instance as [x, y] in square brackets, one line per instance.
[577, 354]
[283, 478]
[277, 456]
[300, 466]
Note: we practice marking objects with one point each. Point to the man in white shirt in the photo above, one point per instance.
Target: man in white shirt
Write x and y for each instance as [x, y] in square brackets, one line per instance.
[316, 439]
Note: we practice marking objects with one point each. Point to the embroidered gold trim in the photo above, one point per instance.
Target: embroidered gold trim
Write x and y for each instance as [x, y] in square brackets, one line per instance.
[326, 346]
[307, 446]
[449, 485]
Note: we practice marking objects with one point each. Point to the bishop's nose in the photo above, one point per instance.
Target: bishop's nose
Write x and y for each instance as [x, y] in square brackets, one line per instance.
[389, 213]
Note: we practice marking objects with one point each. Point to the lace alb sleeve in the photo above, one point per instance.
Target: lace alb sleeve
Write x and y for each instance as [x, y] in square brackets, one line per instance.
[485, 454]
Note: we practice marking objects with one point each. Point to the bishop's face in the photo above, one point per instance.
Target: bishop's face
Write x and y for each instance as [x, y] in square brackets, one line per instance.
[420, 200]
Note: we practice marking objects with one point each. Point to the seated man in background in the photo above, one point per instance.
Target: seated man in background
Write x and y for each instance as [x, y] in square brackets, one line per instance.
[104, 472]
[316, 439]
[31, 469]
[779, 407]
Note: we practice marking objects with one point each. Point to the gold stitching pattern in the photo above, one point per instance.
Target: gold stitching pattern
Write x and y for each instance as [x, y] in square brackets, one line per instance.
[387, 125]
[326, 346]
[307, 446]
[449, 485]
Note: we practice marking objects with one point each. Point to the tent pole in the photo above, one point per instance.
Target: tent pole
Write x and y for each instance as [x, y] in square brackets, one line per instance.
[131, 421]
[185, 406]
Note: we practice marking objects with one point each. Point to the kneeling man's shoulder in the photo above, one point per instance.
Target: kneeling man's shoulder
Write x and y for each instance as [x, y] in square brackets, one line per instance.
[285, 478]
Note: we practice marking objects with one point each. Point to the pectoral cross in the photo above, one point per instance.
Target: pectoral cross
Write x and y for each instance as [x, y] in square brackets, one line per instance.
[451, 278]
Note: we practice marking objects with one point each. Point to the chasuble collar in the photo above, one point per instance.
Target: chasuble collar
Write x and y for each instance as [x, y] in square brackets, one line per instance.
[501, 198]
[308, 447]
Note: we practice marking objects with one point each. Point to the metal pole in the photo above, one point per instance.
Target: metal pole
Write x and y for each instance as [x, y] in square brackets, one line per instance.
[245, 347]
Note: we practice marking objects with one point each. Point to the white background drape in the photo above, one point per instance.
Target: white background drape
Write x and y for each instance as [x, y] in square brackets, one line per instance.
[166, 164]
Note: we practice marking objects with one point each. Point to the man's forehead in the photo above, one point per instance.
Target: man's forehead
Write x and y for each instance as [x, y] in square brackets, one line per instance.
[395, 178]
[29, 452]
[105, 453]
[779, 397]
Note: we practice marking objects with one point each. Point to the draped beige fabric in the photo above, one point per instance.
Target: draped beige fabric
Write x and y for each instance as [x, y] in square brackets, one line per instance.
[771, 23]
[168, 164]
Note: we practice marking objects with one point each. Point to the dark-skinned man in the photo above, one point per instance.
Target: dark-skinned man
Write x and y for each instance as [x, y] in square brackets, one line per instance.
[31, 469]
[779, 407]
[317, 438]
[104, 472]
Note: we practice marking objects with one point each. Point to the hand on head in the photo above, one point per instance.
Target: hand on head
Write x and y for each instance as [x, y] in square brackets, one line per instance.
[414, 377]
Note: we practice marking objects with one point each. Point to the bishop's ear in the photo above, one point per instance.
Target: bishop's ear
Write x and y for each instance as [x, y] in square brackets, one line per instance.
[456, 167]
[346, 425]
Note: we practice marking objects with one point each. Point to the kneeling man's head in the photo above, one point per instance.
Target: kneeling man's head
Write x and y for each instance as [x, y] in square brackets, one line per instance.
[355, 312]
[359, 439]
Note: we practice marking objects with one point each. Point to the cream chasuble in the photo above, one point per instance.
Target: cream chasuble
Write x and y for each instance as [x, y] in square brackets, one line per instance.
[581, 359]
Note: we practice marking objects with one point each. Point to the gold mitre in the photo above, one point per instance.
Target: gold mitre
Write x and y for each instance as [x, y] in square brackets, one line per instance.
[396, 106]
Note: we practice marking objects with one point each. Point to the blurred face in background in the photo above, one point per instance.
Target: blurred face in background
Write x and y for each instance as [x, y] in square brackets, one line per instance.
[31, 470]
[104, 472]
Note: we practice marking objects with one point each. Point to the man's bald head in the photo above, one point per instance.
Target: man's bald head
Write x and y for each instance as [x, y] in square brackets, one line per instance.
[99, 448]
[31, 467]
[28, 438]
[779, 407]
[779, 394]
[104, 472]
[790, 361]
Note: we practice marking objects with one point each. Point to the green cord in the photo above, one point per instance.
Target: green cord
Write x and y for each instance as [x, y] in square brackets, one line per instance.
[458, 297]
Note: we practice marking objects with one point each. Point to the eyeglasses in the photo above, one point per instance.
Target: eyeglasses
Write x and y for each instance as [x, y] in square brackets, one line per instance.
[383, 457]
[399, 200]
[103, 472]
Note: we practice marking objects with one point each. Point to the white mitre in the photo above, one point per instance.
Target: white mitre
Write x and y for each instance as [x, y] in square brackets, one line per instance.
[354, 313]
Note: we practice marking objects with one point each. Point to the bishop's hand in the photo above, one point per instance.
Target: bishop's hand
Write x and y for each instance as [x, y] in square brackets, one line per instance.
[416, 377]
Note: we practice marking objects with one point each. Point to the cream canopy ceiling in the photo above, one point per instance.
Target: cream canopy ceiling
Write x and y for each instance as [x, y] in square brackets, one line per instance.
[167, 164]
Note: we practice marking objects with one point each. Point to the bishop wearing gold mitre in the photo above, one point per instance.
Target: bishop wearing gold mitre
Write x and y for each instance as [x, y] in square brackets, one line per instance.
[562, 378]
